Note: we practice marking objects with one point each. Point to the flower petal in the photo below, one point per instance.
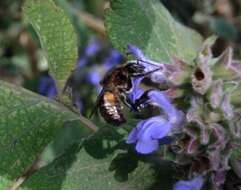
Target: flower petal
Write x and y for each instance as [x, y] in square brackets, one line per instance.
[146, 147]
[136, 92]
[133, 136]
[193, 184]
[163, 101]
[92, 48]
[158, 77]
[47, 86]
[162, 131]
[135, 51]
[116, 56]
[136, 132]
[146, 62]
[154, 126]
[147, 134]
[81, 62]
[93, 77]
[112, 59]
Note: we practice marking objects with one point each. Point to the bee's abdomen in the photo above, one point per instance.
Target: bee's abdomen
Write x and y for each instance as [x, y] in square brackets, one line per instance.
[110, 109]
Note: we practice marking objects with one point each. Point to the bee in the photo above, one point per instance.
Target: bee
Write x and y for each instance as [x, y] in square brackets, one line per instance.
[117, 83]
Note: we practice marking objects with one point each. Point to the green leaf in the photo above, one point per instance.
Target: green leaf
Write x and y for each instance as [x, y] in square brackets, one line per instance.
[150, 26]
[99, 164]
[56, 35]
[28, 122]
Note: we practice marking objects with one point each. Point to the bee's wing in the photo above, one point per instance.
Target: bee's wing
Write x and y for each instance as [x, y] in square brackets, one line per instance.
[97, 103]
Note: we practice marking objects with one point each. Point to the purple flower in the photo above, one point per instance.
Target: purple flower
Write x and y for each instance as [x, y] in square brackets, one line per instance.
[47, 86]
[92, 48]
[112, 59]
[136, 92]
[150, 132]
[147, 133]
[93, 77]
[161, 100]
[81, 62]
[139, 55]
[194, 184]
[135, 51]
[116, 56]
[157, 97]
[158, 76]
[108, 63]
[174, 72]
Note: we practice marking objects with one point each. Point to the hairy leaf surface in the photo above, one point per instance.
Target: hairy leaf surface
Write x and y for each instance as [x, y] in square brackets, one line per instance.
[147, 24]
[28, 122]
[99, 164]
[56, 35]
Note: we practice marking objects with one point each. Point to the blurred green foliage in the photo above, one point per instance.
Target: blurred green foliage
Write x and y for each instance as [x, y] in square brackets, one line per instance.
[23, 62]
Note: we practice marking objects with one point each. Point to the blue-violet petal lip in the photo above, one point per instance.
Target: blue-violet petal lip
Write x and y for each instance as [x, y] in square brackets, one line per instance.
[136, 92]
[163, 131]
[156, 96]
[134, 50]
[146, 147]
[132, 137]
[194, 184]
[148, 132]
[93, 77]
[92, 48]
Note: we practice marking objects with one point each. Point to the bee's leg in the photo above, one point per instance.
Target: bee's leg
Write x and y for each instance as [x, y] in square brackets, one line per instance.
[127, 101]
[147, 73]
[142, 101]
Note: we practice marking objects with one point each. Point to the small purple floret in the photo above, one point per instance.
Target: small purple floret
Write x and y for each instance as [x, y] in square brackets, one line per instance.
[139, 55]
[93, 77]
[113, 58]
[193, 184]
[158, 76]
[116, 56]
[135, 51]
[92, 48]
[47, 87]
[82, 61]
[157, 97]
[147, 134]
[137, 91]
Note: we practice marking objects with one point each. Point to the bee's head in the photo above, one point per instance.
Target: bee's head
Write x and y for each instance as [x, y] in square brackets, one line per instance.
[123, 82]
[134, 68]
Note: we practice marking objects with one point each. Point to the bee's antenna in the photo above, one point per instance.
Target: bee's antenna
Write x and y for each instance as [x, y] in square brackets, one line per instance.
[148, 62]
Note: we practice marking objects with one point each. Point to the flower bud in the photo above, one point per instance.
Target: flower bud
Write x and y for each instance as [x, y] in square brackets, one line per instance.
[202, 78]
